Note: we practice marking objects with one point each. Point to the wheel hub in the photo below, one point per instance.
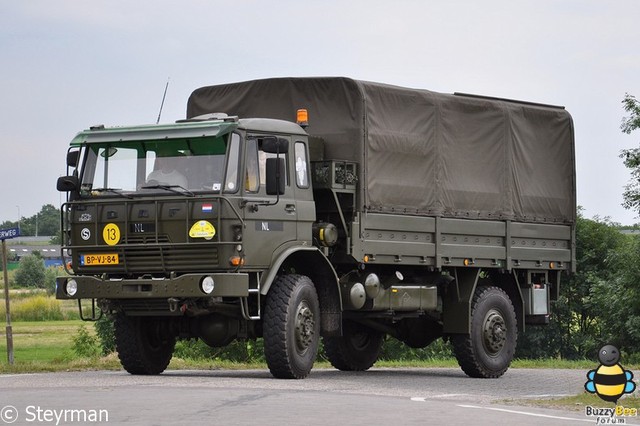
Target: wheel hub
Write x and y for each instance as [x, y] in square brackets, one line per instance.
[305, 327]
[494, 332]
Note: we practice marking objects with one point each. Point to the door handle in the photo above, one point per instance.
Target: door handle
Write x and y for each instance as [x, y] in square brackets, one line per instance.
[290, 208]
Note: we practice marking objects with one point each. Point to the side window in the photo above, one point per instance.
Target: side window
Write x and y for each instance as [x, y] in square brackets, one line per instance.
[252, 175]
[255, 179]
[302, 169]
[231, 180]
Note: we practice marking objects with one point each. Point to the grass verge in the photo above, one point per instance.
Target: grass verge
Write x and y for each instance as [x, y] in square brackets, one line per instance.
[579, 402]
[39, 344]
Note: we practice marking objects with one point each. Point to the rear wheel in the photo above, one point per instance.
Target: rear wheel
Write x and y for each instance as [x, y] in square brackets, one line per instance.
[487, 351]
[291, 327]
[144, 344]
[356, 350]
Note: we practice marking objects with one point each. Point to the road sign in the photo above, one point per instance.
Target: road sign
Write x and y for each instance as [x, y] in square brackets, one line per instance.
[6, 298]
[9, 233]
[6, 234]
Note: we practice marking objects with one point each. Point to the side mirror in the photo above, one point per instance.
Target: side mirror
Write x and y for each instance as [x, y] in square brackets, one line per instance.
[72, 158]
[274, 145]
[275, 176]
[68, 183]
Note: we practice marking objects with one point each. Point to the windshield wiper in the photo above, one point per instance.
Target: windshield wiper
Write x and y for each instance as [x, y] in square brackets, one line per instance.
[113, 191]
[181, 190]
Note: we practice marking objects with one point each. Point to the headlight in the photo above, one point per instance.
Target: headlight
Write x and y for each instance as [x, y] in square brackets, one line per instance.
[207, 285]
[71, 288]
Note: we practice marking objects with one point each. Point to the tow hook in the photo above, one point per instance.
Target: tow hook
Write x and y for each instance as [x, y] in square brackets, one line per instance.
[173, 304]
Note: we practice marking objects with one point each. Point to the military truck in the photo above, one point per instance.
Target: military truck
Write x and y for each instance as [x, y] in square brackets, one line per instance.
[373, 211]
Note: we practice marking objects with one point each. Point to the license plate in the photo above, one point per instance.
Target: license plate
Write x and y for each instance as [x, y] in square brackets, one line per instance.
[99, 259]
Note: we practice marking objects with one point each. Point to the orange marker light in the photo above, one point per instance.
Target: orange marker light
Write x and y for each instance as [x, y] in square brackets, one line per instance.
[302, 118]
[236, 261]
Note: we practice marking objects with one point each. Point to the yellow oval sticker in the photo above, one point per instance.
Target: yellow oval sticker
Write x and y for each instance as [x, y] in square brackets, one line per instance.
[111, 234]
[202, 229]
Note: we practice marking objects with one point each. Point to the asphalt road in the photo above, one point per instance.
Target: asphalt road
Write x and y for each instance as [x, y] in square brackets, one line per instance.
[326, 397]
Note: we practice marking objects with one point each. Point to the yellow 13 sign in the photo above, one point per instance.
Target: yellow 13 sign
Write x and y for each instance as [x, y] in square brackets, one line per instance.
[111, 234]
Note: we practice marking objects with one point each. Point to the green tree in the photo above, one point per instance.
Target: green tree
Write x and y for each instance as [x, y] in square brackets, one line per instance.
[8, 224]
[578, 314]
[597, 242]
[618, 299]
[45, 222]
[31, 272]
[631, 157]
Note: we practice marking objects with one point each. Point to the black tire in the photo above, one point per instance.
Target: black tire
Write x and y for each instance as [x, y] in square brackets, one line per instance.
[291, 327]
[356, 350]
[144, 344]
[488, 350]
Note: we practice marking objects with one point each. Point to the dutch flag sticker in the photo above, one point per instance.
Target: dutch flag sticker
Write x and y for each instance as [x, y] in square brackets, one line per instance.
[207, 208]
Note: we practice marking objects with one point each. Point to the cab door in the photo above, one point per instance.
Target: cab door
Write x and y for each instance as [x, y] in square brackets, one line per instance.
[270, 218]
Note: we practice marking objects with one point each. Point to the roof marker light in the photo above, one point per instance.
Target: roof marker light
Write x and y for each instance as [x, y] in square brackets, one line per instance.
[302, 118]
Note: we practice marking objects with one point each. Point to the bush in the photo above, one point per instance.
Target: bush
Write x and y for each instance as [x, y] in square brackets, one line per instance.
[85, 344]
[395, 350]
[237, 351]
[106, 334]
[246, 351]
[31, 273]
[194, 349]
[50, 275]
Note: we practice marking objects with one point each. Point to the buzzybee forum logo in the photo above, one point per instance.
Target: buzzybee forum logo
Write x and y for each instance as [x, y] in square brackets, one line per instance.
[609, 381]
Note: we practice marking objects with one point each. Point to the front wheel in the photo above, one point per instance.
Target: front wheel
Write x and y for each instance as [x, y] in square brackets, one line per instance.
[487, 351]
[144, 344]
[291, 327]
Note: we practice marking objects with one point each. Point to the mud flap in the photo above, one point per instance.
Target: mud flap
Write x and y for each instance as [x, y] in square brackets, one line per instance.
[457, 301]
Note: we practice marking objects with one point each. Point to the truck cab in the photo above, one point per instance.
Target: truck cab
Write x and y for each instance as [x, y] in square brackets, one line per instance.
[175, 227]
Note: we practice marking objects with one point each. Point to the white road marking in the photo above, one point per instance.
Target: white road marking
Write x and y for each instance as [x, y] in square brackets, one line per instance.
[2, 376]
[442, 395]
[526, 413]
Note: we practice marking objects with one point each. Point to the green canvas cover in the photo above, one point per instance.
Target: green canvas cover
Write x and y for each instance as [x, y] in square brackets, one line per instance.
[421, 152]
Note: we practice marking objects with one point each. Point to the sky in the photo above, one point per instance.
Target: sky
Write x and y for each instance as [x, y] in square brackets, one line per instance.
[66, 65]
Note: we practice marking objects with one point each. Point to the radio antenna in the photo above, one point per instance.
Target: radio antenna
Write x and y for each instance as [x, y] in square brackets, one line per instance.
[163, 97]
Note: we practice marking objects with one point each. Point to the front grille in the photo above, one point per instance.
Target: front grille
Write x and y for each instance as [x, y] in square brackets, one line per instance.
[160, 258]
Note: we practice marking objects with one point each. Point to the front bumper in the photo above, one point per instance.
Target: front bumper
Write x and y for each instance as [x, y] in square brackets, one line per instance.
[188, 285]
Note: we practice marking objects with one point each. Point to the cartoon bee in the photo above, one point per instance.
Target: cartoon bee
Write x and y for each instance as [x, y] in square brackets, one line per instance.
[609, 381]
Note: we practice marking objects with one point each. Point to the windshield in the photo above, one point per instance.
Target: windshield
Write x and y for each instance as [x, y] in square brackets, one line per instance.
[183, 165]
